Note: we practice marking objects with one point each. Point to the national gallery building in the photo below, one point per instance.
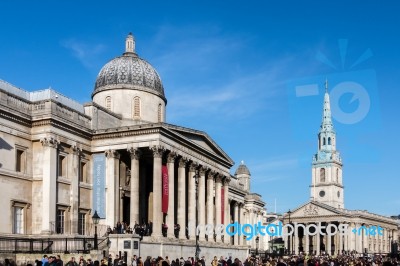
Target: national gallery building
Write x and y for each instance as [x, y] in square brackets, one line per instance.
[61, 161]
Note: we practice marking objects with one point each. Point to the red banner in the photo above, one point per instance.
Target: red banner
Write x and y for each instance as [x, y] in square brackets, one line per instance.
[222, 205]
[165, 189]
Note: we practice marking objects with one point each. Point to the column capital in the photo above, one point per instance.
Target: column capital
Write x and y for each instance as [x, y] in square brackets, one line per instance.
[158, 151]
[134, 153]
[236, 204]
[211, 174]
[202, 170]
[218, 178]
[226, 180]
[171, 157]
[76, 150]
[50, 142]
[183, 161]
[193, 166]
[112, 154]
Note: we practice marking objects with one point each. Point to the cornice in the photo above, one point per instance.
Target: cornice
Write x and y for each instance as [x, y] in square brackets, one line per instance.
[63, 126]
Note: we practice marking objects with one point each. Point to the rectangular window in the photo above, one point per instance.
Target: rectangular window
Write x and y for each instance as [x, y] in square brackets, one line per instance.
[18, 220]
[62, 166]
[20, 161]
[83, 172]
[60, 219]
[81, 223]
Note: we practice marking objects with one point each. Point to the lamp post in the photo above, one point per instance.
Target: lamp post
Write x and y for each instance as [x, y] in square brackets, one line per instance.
[196, 181]
[257, 241]
[289, 237]
[96, 219]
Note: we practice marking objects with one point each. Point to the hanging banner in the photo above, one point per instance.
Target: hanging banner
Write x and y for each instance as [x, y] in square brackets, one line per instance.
[99, 184]
[222, 205]
[165, 189]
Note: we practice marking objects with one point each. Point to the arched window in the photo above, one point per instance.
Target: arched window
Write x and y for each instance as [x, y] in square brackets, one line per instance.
[159, 113]
[329, 141]
[324, 142]
[136, 107]
[108, 103]
[322, 175]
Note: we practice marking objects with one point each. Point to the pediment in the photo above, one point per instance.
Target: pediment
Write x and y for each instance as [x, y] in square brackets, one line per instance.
[313, 208]
[201, 140]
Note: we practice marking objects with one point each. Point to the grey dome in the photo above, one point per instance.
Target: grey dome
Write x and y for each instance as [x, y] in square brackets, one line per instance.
[129, 71]
[242, 170]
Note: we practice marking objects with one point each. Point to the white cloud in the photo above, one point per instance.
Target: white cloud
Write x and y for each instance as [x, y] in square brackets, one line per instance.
[86, 53]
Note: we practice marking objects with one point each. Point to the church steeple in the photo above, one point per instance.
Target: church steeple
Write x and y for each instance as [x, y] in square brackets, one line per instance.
[327, 184]
[327, 124]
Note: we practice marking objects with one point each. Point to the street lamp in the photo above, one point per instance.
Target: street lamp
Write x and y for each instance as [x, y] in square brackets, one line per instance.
[257, 241]
[196, 181]
[96, 219]
[289, 237]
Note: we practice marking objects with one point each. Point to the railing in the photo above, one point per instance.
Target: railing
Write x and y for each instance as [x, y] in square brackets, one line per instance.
[48, 245]
[67, 229]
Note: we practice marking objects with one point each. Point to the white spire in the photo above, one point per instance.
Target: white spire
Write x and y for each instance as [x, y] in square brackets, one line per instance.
[130, 44]
[326, 114]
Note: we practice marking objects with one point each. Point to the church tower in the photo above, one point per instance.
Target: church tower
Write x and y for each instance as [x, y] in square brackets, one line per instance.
[327, 183]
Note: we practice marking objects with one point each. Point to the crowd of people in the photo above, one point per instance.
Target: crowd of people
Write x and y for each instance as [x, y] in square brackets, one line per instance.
[143, 229]
[294, 260]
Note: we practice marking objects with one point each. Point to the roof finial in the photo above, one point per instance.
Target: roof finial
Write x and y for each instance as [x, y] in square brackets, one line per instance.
[326, 84]
[130, 44]
[242, 162]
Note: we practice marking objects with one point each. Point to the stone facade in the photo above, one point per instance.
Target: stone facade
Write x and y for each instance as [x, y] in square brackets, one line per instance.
[47, 146]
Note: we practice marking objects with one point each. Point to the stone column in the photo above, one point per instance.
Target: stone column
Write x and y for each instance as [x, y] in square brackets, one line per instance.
[346, 241]
[296, 241]
[241, 221]
[210, 201]
[236, 219]
[328, 242]
[192, 200]
[112, 193]
[202, 200]
[226, 207]
[49, 184]
[182, 197]
[286, 240]
[218, 186]
[351, 239]
[171, 194]
[318, 244]
[157, 190]
[134, 208]
[74, 200]
[359, 239]
[307, 242]
[251, 221]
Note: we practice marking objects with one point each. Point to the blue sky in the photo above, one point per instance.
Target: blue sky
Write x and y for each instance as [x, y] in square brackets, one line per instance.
[231, 68]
